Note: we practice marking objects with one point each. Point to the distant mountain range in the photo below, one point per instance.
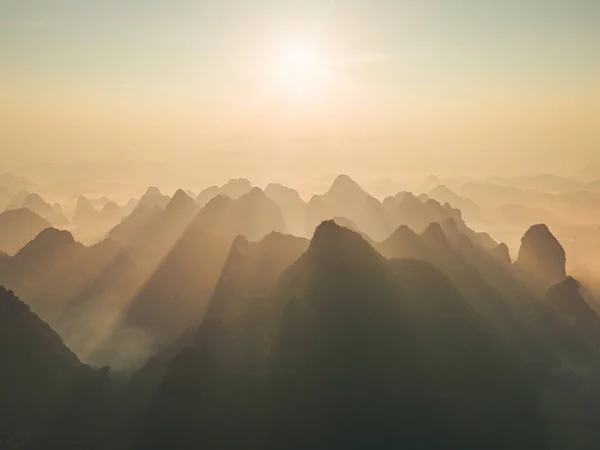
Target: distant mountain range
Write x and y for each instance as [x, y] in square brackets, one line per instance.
[246, 318]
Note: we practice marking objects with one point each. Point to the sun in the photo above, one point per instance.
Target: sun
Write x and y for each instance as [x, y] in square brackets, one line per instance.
[301, 68]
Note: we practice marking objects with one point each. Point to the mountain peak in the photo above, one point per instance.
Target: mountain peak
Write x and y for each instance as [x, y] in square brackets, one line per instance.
[434, 235]
[331, 239]
[402, 243]
[47, 240]
[502, 253]
[181, 201]
[344, 185]
[542, 255]
[402, 233]
[441, 189]
[255, 195]
[111, 208]
[152, 190]
[240, 243]
[52, 234]
[409, 200]
[567, 297]
[236, 187]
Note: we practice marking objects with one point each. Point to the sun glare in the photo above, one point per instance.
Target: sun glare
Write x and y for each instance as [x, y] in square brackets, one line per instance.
[301, 69]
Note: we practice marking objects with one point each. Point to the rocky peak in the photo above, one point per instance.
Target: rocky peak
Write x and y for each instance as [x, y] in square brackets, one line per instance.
[542, 256]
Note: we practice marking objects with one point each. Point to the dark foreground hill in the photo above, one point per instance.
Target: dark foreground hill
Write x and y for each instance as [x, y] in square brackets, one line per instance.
[48, 399]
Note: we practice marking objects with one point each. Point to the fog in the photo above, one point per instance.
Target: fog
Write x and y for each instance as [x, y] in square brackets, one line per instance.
[299, 224]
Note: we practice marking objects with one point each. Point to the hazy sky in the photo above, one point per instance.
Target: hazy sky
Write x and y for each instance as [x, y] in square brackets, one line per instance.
[95, 78]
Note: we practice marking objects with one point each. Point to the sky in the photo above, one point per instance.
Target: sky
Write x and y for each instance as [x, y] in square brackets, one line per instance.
[92, 79]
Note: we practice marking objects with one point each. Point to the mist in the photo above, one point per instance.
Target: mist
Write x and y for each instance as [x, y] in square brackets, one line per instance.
[300, 224]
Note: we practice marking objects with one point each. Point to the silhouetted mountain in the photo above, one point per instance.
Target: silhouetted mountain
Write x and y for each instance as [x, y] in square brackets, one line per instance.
[406, 209]
[496, 290]
[111, 211]
[93, 224]
[347, 199]
[502, 253]
[542, 256]
[150, 232]
[329, 312]
[99, 203]
[53, 271]
[132, 225]
[37, 204]
[291, 205]
[129, 207]
[50, 399]
[567, 298]
[233, 189]
[206, 195]
[18, 227]
[250, 274]
[181, 201]
[18, 199]
[154, 197]
[236, 187]
[471, 211]
[176, 295]
[396, 326]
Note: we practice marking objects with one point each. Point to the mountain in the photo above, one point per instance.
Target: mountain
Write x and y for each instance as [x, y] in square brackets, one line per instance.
[417, 214]
[154, 197]
[53, 271]
[129, 228]
[206, 195]
[129, 207]
[471, 211]
[50, 399]
[18, 199]
[149, 233]
[236, 187]
[345, 198]
[181, 201]
[542, 256]
[93, 224]
[233, 189]
[39, 206]
[567, 298]
[355, 339]
[292, 206]
[18, 227]
[499, 291]
[249, 275]
[176, 295]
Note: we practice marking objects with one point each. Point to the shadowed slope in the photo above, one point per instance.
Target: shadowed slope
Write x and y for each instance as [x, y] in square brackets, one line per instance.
[49, 398]
[18, 227]
[176, 295]
[358, 340]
